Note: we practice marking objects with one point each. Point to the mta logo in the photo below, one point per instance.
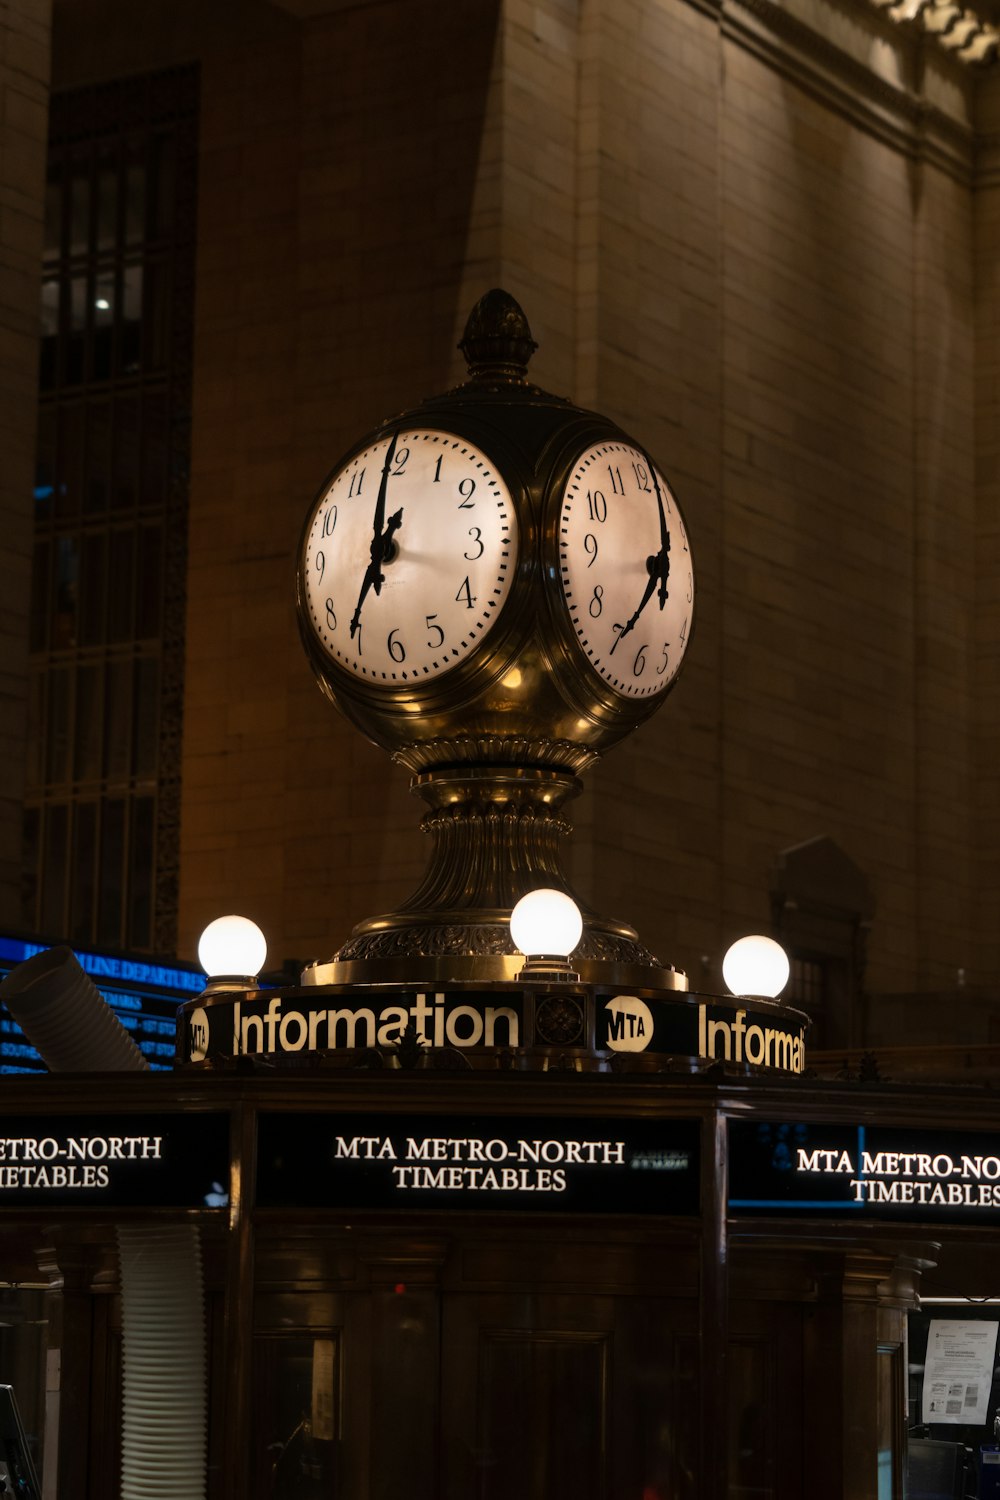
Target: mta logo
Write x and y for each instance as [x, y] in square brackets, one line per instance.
[630, 1024]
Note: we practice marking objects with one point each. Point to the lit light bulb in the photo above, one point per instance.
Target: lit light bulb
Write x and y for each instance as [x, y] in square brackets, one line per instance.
[232, 947]
[756, 966]
[546, 921]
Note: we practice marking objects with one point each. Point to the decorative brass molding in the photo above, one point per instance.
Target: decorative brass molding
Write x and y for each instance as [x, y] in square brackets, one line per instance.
[459, 750]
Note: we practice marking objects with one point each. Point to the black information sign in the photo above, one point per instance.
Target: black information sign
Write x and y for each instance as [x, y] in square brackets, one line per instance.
[453, 1162]
[863, 1171]
[115, 1161]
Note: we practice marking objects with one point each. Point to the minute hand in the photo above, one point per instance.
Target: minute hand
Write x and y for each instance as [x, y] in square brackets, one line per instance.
[381, 542]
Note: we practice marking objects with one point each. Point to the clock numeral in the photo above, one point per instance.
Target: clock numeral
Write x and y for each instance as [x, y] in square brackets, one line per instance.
[331, 618]
[466, 489]
[639, 665]
[465, 595]
[477, 540]
[429, 622]
[641, 478]
[617, 488]
[597, 506]
[596, 604]
[320, 564]
[590, 547]
[357, 483]
[395, 648]
[399, 461]
[437, 469]
[684, 630]
[666, 659]
[330, 518]
[690, 593]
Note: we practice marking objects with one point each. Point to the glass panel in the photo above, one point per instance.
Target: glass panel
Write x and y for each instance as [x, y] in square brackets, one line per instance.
[104, 326]
[135, 192]
[162, 185]
[45, 462]
[120, 586]
[890, 1422]
[107, 198]
[29, 869]
[147, 717]
[82, 881]
[118, 720]
[67, 582]
[154, 451]
[147, 625]
[39, 597]
[70, 462]
[53, 912]
[79, 212]
[296, 1407]
[35, 768]
[140, 888]
[93, 589]
[157, 316]
[98, 456]
[126, 475]
[87, 730]
[109, 899]
[49, 333]
[57, 726]
[53, 211]
[75, 344]
[131, 334]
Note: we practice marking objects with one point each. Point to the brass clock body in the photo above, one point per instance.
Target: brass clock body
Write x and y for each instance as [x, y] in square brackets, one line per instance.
[551, 535]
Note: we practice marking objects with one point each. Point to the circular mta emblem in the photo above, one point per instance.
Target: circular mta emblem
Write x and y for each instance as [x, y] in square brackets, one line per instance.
[559, 1021]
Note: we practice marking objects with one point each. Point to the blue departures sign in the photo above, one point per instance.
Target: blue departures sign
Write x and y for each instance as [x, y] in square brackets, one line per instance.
[143, 993]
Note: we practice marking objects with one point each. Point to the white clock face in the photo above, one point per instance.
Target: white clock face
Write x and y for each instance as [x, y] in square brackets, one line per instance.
[626, 569]
[409, 556]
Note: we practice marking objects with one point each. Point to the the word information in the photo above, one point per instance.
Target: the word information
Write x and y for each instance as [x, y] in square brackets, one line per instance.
[871, 1171]
[557, 1166]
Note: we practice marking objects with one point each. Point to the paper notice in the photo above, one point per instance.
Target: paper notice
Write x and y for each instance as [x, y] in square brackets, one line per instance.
[958, 1371]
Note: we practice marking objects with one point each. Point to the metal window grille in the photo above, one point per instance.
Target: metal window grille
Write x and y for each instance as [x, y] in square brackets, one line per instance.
[107, 605]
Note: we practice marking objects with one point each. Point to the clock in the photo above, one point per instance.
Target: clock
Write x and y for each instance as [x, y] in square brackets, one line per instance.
[496, 588]
[625, 567]
[408, 557]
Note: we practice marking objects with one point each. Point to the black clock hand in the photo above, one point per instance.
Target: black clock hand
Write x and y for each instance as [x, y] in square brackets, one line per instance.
[663, 557]
[381, 542]
[652, 564]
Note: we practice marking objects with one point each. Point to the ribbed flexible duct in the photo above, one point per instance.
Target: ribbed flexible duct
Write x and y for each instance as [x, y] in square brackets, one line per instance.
[164, 1450]
[164, 1437]
[66, 1017]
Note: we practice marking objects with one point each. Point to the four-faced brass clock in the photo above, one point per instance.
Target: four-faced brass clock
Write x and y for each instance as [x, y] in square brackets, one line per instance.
[496, 587]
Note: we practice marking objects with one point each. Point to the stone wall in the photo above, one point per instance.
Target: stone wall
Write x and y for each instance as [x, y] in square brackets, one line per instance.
[24, 89]
[747, 232]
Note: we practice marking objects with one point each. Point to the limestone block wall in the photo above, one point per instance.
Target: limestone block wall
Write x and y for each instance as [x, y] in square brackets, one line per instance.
[749, 232]
[24, 86]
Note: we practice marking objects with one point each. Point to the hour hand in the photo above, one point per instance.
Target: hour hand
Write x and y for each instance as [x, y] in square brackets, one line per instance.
[651, 564]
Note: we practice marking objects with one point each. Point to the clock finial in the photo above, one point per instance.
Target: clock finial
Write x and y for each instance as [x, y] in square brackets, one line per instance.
[497, 343]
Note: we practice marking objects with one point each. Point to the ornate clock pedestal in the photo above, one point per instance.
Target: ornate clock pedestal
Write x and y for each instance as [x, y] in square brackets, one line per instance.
[497, 833]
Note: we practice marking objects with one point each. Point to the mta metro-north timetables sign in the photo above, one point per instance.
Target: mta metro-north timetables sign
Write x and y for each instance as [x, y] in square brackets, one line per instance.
[547, 1165]
[780, 1167]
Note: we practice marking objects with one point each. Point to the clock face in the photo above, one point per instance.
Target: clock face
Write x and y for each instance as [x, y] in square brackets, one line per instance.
[408, 557]
[626, 569]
